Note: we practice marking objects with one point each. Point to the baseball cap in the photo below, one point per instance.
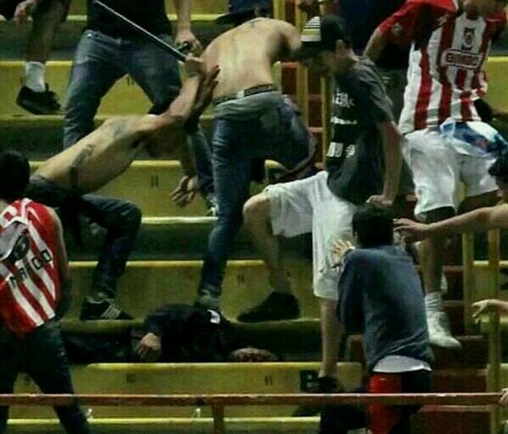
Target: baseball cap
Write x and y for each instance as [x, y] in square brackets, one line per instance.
[321, 33]
[240, 7]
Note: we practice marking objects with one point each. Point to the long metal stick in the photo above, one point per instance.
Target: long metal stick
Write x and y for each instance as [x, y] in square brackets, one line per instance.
[164, 45]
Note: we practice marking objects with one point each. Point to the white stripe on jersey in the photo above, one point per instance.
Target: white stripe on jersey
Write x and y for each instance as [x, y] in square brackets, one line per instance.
[461, 62]
[41, 246]
[20, 299]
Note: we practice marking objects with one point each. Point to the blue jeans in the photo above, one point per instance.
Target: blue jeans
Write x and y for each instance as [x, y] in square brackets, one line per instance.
[100, 61]
[41, 354]
[238, 145]
[120, 218]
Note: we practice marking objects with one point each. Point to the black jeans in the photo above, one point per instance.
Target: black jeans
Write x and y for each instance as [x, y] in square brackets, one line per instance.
[41, 355]
[121, 219]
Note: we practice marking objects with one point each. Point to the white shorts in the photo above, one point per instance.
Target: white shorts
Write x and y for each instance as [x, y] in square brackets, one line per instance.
[438, 169]
[308, 205]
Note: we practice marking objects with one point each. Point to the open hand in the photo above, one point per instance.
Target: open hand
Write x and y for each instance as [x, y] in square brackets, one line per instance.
[24, 10]
[410, 230]
[488, 305]
[186, 191]
[187, 36]
[149, 348]
[380, 201]
[339, 250]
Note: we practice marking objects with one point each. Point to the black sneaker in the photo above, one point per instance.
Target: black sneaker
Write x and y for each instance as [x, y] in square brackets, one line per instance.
[102, 309]
[277, 306]
[322, 385]
[38, 103]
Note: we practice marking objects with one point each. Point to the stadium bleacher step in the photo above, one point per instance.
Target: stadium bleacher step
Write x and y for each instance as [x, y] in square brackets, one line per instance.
[474, 353]
[178, 238]
[147, 285]
[189, 425]
[79, 7]
[13, 37]
[189, 378]
[125, 97]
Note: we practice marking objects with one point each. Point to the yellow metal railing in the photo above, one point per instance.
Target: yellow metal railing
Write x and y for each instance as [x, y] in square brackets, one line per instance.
[494, 332]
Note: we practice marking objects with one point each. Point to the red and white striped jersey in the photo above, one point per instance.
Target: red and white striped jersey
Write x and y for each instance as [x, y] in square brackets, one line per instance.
[446, 62]
[29, 279]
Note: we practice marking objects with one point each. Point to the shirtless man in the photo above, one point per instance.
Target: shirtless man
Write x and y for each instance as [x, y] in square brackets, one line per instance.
[252, 122]
[66, 179]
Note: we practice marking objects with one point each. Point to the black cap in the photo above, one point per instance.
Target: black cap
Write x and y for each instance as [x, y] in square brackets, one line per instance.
[321, 33]
[237, 8]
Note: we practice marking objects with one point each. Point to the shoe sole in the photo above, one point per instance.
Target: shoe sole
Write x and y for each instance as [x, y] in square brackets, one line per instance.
[35, 109]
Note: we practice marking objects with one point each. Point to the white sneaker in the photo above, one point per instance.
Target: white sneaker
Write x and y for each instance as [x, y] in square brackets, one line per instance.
[439, 331]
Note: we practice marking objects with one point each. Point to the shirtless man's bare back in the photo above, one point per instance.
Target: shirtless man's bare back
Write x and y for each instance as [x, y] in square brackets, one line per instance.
[66, 180]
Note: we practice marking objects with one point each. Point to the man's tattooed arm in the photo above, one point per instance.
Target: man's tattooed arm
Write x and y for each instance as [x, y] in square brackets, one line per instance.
[77, 165]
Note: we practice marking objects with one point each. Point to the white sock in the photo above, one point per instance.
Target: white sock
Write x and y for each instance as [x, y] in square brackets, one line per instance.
[434, 302]
[34, 76]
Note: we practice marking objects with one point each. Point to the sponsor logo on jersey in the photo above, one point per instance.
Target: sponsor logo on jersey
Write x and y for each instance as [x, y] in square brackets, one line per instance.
[461, 59]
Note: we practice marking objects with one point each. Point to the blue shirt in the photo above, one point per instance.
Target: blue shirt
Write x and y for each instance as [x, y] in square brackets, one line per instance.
[381, 297]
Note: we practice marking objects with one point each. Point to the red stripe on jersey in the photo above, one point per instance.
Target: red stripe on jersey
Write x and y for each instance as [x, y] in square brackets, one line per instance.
[28, 302]
[446, 92]
[424, 92]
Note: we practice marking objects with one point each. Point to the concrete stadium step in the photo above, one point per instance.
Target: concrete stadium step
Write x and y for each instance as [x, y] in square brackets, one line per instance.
[179, 238]
[149, 184]
[189, 378]
[442, 420]
[147, 285]
[293, 340]
[126, 97]
[13, 37]
[452, 420]
[79, 7]
[165, 425]
[474, 353]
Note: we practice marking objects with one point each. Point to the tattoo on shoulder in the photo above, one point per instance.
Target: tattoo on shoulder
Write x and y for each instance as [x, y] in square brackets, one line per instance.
[78, 162]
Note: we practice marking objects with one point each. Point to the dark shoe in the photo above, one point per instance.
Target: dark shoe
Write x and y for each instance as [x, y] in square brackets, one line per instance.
[277, 306]
[207, 300]
[322, 385]
[102, 309]
[38, 103]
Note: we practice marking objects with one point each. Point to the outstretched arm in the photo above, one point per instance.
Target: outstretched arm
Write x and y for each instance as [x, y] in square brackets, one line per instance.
[479, 220]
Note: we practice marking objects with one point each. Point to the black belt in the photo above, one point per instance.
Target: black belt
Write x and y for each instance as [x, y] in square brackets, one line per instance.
[246, 92]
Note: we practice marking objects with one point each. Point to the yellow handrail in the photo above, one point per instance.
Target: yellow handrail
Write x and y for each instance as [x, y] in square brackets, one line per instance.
[494, 372]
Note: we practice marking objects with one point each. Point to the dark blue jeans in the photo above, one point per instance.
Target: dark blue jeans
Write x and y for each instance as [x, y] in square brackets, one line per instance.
[238, 146]
[41, 354]
[100, 61]
[120, 218]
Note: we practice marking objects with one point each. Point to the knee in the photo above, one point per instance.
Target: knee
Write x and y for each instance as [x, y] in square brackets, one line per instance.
[256, 210]
[132, 215]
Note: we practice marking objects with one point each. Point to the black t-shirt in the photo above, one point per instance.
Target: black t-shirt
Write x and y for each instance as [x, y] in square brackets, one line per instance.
[362, 17]
[150, 14]
[355, 156]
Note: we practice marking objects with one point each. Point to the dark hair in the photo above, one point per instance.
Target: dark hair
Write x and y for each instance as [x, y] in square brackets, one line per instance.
[499, 168]
[14, 175]
[373, 226]
[243, 17]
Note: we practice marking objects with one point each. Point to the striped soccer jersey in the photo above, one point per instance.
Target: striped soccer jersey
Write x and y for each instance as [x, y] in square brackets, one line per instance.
[449, 49]
[29, 279]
